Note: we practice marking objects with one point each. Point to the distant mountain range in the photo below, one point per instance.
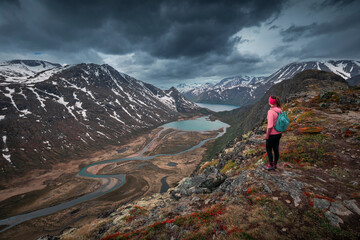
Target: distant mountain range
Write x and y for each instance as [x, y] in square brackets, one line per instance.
[245, 90]
[50, 112]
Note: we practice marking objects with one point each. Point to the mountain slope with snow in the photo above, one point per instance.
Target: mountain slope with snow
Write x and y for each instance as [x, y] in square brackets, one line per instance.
[244, 90]
[239, 90]
[77, 109]
[344, 68]
[27, 71]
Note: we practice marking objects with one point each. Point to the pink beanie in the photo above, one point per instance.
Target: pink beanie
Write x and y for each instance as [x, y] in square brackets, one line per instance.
[272, 101]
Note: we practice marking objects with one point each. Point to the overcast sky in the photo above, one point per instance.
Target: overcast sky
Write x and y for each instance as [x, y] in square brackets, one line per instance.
[167, 42]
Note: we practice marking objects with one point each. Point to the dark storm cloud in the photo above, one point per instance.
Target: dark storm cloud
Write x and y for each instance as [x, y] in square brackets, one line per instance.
[166, 29]
[295, 32]
[209, 65]
[273, 27]
[317, 30]
[175, 40]
[334, 40]
[327, 3]
[171, 72]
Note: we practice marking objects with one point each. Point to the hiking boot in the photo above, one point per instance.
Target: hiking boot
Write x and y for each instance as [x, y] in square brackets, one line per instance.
[275, 164]
[269, 167]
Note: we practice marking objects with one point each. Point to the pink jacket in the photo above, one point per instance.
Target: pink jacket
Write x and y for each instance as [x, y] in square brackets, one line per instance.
[271, 118]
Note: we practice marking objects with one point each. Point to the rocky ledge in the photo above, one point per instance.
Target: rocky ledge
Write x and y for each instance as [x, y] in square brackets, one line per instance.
[314, 193]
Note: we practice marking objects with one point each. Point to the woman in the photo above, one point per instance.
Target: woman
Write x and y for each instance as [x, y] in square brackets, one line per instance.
[273, 136]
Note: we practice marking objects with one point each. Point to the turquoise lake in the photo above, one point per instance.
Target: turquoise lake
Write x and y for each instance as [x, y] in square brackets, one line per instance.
[199, 124]
[217, 107]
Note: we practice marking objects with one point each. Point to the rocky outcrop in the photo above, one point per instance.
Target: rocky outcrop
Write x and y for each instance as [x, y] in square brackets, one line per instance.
[206, 182]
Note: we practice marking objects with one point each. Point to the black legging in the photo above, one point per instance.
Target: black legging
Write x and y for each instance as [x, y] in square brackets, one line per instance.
[273, 144]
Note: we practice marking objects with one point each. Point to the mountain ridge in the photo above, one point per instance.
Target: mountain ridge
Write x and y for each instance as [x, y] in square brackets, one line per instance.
[244, 90]
[76, 109]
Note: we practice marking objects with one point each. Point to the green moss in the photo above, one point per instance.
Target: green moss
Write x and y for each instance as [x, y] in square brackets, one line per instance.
[254, 151]
[212, 163]
[229, 165]
[308, 149]
[319, 138]
[246, 135]
[306, 117]
[338, 172]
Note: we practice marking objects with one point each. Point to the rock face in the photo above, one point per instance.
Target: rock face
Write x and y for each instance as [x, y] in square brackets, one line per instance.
[49, 113]
[354, 81]
[245, 90]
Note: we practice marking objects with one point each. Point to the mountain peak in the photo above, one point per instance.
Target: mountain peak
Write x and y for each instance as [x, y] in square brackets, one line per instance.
[344, 68]
[27, 71]
[173, 89]
[31, 63]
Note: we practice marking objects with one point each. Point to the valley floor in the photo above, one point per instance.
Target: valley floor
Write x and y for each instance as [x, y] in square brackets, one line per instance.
[41, 188]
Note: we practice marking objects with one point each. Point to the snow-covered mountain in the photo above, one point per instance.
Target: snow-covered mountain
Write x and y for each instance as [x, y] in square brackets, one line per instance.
[76, 109]
[27, 71]
[344, 68]
[233, 90]
[244, 90]
[242, 81]
[185, 87]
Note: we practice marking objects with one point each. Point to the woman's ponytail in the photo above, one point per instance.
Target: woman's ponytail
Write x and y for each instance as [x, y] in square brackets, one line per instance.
[278, 102]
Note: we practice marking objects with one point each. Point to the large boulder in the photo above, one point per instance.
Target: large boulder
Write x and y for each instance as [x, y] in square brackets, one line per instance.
[206, 182]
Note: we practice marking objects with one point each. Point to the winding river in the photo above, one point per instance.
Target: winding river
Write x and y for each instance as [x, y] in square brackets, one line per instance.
[113, 182]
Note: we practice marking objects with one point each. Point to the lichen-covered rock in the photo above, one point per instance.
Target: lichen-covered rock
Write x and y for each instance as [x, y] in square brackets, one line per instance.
[351, 204]
[339, 209]
[326, 95]
[231, 184]
[292, 187]
[321, 203]
[206, 182]
[334, 220]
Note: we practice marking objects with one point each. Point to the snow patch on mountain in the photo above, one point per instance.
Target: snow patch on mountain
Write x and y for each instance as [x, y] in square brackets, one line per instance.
[168, 101]
[5, 151]
[345, 68]
[338, 69]
[28, 71]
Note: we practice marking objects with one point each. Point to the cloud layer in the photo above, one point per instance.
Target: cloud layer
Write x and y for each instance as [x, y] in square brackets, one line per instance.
[168, 41]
